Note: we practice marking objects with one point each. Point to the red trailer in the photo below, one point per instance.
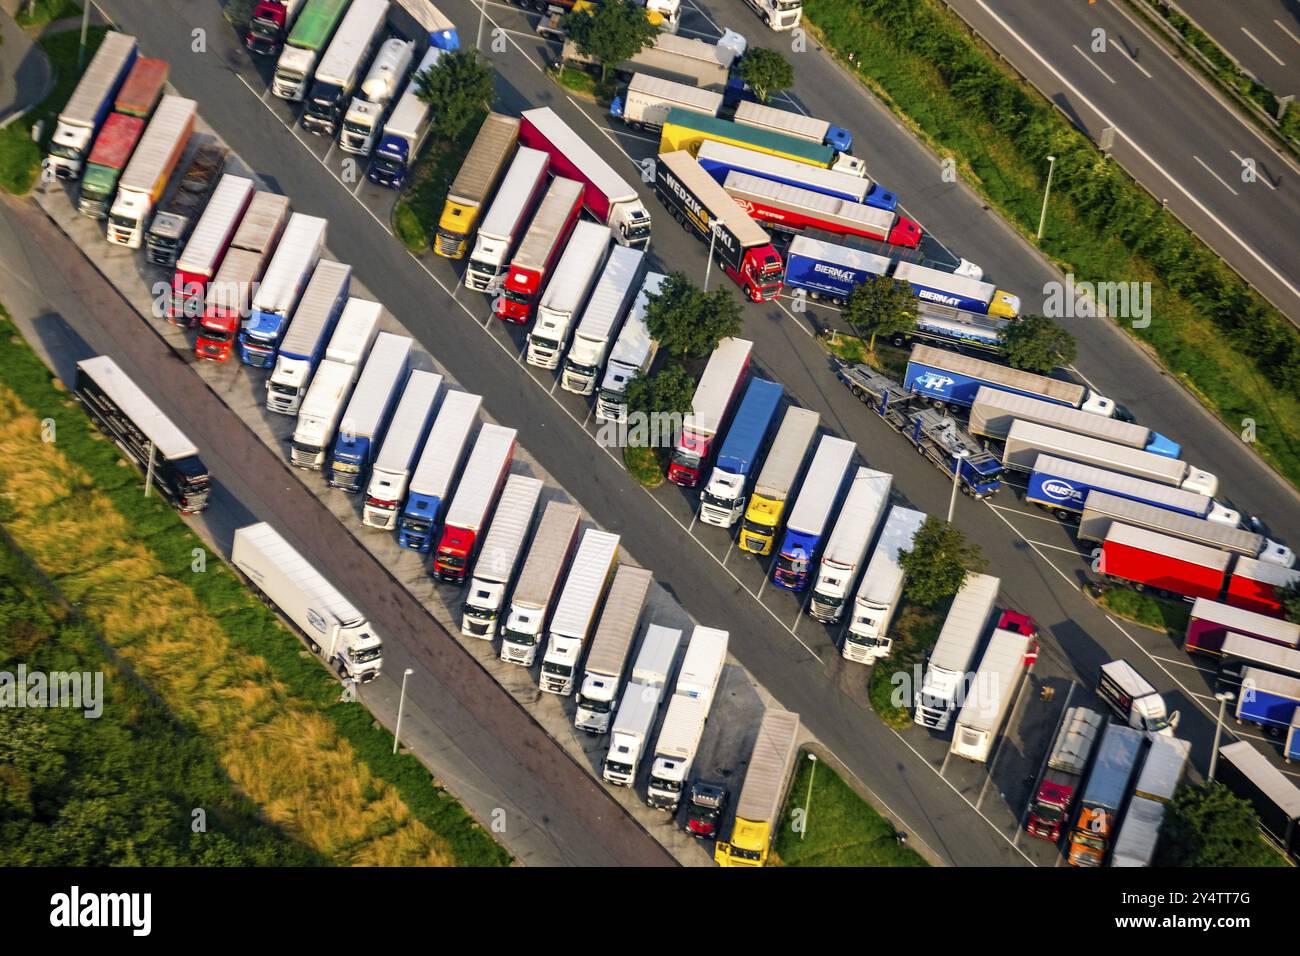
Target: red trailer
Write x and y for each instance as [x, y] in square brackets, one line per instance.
[1147, 559]
[539, 251]
[1254, 585]
[793, 209]
[143, 88]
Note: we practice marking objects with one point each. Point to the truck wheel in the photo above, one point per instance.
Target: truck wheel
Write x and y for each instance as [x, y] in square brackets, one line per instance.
[1063, 515]
[315, 648]
[898, 341]
[939, 404]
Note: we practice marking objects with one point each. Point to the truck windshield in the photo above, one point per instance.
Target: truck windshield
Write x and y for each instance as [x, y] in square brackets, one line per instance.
[518, 637]
[312, 451]
[753, 527]
[1046, 812]
[709, 499]
[611, 397]
[415, 523]
[121, 222]
[214, 336]
[453, 562]
[283, 389]
[265, 29]
[594, 706]
[383, 164]
[519, 298]
[563, 670]
[785, 5]
[163, 242]
[65, 152]
[289, 77]
[792, 565]
[542, 343]
[367, 655]
[686, 459]
[356, 128]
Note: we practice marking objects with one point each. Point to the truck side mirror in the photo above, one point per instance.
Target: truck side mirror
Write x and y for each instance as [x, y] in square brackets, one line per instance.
[1173, 719]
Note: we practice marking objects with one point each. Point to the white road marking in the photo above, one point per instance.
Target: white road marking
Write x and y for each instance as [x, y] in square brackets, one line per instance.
[1276, 59]
[1057, 547]
[1132, 59]
[1022, 514]
[1259, 178]
[1215, 175]
[1280, 26]
[1092, 62]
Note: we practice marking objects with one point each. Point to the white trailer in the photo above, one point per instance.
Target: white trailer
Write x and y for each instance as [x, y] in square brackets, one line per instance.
[90, 104]
[504, 223]
[702, 665]
[675, 750]
[282, 285]
[716, 156]
[584, 588]
[405, 436]
[600, 320]
[145, 177]
[633, 354]
[405, 130]
[818, 496]
[262, 224]
[355, 334]
[654, 662]
[201, 259]
[340, 68]
[854, 531]
[994, 411]
[789, 123]
[1101, 510]
[566, 293]
[319, 414]
[367, 415]
[379, 90]
[1161, 774]
[313, 321]
[438, 465]
[630, 736]
[521, 631]
[332, 626]
[646, 101]
[867, 638]
[610, 649]
[954, 652]
[499, 558]
[991, 695]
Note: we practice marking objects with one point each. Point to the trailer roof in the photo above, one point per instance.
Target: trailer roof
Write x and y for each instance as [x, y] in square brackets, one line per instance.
[261, 223]
[1163, 768]
[690, 97]
[654, 661]
[1168, 546]
[410, 110]
[407, 428]
[437, 466]
[683, 724]
[546, 555]
[769, 165]
[1265, 572]
[298, 248]
[1080, 730]
[547, 223]
[746, 188]
[769, 767]
[104, 67]
[839, 255]
[1245, 647]
[329, 385]
[171, 119]
[705, 653]
[619, 619]
[116, 139]
[493, 449]
[142, 86]
[355, 328]
[509, 528]
[1172, 522]
[1254, 766]
[944, 281]
[1283, 685]
[714, 199]
[428, 17]
[1100, 478]
[975, 368]
[322, 597]
[752, 419]
[1246, 622]
[352, 39]
[996, 681]
[710, 127]
[717, 385]
[166, 437]
[496, 138]
[788, 451]
[232, 285]
[1138, 834]
[612, 292]
[636, 711]
[597, 552]
[385, 370]
[880, 584]
[965, 624]
[1072, 445]
[820, 490]
[329, 280]
[313, 28]
[576, 269]
[805, 127]
[860, 517]
[1113, 768]
[218, 222]
[1126, 676]
[579, 152]
[994, 400]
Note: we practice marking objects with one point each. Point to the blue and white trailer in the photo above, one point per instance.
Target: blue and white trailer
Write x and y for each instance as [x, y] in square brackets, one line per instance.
[818, 497]
[722, 501]
[1062, 487]
[947, 378]
[444, 452]
[958, 291]
[304, 343]
[367, 415]
[402, 444]
[826, 270]
[719, 159]
[281, 287]
[405, 131]
[90, 103]
[1267, 699]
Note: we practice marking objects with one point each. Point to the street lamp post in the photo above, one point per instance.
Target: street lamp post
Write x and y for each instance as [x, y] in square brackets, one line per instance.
[807, 804]
[1042, 219]
[1222, 697]
[958, 458]
[401, 703]
[714, 226]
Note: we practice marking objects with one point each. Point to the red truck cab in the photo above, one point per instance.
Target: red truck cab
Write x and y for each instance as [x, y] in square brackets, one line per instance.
[760, 273]
[1018, 623]
[267, 27]
[228, 302]
[688, 459]
[905, 232]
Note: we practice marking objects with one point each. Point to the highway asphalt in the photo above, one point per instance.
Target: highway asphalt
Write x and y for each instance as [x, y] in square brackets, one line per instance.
[1174, 133]
[1262, 35]
[792, 657]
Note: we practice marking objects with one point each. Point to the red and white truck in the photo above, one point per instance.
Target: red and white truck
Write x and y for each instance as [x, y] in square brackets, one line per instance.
[152, 164]
[476, 495]
[1049, 813]
[207, 247]
[607, 195]
[1148, 559]
[541, 247]
[714, 396]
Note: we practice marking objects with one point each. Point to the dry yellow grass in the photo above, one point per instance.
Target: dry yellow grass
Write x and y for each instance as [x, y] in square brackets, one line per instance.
[279, 751]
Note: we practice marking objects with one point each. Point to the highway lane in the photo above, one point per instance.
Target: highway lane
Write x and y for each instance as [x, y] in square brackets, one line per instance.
[1262, 35]
[1174, 133]
[785, 348]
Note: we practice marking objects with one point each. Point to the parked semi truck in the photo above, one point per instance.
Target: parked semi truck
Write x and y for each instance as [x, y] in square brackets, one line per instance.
[722, 501]
[113, 147]
[331, 624]
[143, 89]
[1134, 701]
[230, 294]
[646, 101]
[739, 244]
[365, 421]
[846, 550]
[440, 462]
[767, 778]
[629, 736]
[688, 710]
[794, 208]
[954, 652]
[476, 495]
[404, 131]
[1049, 812]
[1169, 566]
[304, 344]
[777, 480]
[1267, 700]
[575, 613]
[90, 104]
[1103, 795]
[339, 72]
[633, 354]
[794, 124]
[402, 442]
[270, 23]
[992, 694]
[714, 396]
[319, 414]
[867, 639]
[1211, 622]
[151, 166]
[1240, 651]
[1258, 584]
[1162, 772]
[535, 259]
[686, 60]
[935, 435]
[1276, 800]
[685, 129]
[204, 253]
[721, 159]
[1063, 486]
[994, 411]
[484, 165]
[818, 497]
[951, 379]
[378, 91]
[566, 294]
[497, 562]
[172, 228]
[503, 226]
[295, 259]
[308, 38]
[598, 695]
[609, 302]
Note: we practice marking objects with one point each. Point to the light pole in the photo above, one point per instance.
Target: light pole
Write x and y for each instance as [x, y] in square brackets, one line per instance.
[714, 226]
[807, 804]
[85, 27]
[482, 14]
[1222, 697]
[1042, 220]
[958, 458]
[401, 702]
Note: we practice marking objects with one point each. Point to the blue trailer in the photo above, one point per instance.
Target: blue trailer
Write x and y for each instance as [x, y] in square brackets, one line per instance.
[819, 496]
[955, 291]
[951, 379]
[723, 499]
[827, 270]
[1062, 487]
[1268, 699]
[1291, 749]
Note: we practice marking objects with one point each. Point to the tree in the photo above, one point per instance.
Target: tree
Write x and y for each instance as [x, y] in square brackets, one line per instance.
[881, 306]
[1289, 597]
[767, 72]
[1037, 344]
[1208, 826]
[459, 88]
[238, 13]
[938, 562]
[611, 32]
[688, 322]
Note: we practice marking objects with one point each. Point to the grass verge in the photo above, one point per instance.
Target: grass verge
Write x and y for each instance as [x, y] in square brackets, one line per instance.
[914, 630]
[840, 828]
[585, 85]
[415, 216]
[318, 768]
[646, 465]
[37, 13]
[1222, 341]
[885, 358]
[20, 155]
[1157, 613]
